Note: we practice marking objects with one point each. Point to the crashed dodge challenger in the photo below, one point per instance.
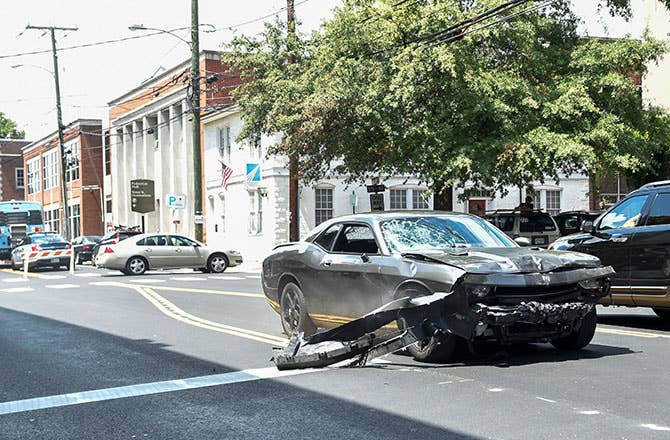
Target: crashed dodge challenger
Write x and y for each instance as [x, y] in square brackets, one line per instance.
[381, 282]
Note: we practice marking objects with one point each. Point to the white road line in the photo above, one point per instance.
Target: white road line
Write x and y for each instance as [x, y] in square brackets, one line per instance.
[655, 427]
[17, 289]
[496, 390]
[188, 278]
[14, 280]
[53, 277]
[145, 281]
[254, 277]
[104, 283]
[87, 275]
[145, 389]
[545, 400]
[589, 413]
[225, 277]
[61, 286]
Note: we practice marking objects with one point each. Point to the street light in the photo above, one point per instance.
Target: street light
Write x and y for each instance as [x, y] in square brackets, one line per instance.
[194, 99]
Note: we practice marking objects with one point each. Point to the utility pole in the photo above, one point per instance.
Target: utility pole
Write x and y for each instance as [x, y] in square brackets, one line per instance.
[195, 107]
[59, 116]
[294, 213]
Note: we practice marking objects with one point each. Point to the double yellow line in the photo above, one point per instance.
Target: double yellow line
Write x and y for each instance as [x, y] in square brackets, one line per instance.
[171, 310]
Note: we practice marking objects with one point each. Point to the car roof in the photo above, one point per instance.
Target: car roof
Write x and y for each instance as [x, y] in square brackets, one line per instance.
[371, 216]
[656, 184]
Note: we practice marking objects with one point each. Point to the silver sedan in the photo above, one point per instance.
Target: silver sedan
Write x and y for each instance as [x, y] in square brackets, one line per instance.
[143, 252]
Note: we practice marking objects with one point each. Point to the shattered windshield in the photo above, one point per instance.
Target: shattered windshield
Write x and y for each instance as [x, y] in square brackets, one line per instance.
[411, 234]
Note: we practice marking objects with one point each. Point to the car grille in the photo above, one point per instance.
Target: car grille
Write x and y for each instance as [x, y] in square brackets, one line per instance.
[544, 294]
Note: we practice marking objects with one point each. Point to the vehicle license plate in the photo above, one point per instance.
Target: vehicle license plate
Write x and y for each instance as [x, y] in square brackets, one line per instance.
[55, 260]
[540, 240]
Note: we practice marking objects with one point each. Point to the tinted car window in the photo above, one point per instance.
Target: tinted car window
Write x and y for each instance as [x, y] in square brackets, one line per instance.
[325, 240]
[659, 214]
[182, 241]
[536, 222]
[155, 240]
[356, 239]
[624, 215]
[504, 222]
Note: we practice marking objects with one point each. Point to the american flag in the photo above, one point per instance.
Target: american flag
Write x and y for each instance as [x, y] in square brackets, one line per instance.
[226, 172]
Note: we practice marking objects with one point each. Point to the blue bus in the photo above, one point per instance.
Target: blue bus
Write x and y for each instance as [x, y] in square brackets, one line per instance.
[17, 219]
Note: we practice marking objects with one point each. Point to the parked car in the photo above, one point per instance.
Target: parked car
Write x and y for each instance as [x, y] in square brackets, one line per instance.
[113, 237]
[537, 226]
[83, 247]
[633, 237]
[143, 252]
[570, 222]
[43, 249]
[350, 266]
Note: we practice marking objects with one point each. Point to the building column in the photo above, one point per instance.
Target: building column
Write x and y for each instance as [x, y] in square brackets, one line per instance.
[149, 146]
[118, 177]
[164, 165]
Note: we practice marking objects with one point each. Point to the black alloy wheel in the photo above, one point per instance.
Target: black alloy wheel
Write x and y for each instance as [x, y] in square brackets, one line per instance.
[293, 311]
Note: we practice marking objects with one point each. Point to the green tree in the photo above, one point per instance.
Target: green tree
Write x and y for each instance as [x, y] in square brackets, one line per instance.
[383, 89]
[8, 129]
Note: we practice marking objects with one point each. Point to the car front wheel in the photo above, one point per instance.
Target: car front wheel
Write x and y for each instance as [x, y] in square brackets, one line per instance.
[136, 266]
[293, 311]
[217, 263]
[581, 337]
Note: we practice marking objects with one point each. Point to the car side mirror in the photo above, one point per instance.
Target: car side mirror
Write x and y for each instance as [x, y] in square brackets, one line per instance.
[587, 226]
[365, 258]
[522, 241]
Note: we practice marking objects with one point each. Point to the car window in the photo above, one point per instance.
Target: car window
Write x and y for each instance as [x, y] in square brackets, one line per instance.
[181, 241]
[624, 215]
[325, 240]
[571, 222]
[536, 222]
[504, 222]
[154, 240]
[46, 239]
[659, 214]
[356, 239]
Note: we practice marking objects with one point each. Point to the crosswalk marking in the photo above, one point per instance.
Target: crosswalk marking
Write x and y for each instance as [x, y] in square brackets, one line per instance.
[14, 280]
[187, 278]
[225, 277]
[61, 286]
[87, 275]
[17, 289]
[145, 280]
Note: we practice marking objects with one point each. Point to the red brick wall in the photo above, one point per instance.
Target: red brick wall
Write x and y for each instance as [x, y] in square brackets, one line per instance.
[8, 167]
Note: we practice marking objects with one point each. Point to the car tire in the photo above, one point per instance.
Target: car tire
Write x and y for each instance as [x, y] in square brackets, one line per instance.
[293, 311]
[79, 259]
[217, 263]
[662, 313]
[581, 337]
[136, 266]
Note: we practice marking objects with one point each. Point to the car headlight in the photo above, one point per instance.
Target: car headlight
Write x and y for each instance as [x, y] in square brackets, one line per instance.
[592, 284]
[478, 292]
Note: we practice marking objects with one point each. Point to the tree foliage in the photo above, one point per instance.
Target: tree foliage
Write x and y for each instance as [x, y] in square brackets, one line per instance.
[8, 129]
[374, 93]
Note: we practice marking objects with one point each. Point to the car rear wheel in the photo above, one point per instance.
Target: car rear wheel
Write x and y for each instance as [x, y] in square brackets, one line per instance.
[217, 263]
[293, 311]
[136, 266]
[662, 313]
[581, 337]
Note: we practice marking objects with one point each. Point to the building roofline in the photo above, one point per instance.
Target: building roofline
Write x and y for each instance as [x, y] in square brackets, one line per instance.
[224, 111]
[156, 79]
[54, 134]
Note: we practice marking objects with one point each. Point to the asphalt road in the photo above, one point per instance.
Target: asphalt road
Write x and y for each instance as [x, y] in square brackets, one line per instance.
[185, 355]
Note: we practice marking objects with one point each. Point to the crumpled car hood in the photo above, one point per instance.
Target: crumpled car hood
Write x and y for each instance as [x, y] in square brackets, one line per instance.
[514, 260]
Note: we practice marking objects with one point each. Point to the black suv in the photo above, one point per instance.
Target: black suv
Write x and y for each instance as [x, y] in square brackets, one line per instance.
[113, 237]
[633, 237]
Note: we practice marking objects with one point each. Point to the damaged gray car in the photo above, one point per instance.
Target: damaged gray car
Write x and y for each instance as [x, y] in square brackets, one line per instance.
[377, 283]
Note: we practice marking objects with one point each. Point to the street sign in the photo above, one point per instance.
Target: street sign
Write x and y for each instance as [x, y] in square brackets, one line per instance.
[376, 202]
[142, 196]
[253, 173]
[176, 201]
[376, 188]
[199, 220]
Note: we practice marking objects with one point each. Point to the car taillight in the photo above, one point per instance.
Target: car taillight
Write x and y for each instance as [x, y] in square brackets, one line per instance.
[109, 250]
[36, 248]
[85, 248]
[38, 229]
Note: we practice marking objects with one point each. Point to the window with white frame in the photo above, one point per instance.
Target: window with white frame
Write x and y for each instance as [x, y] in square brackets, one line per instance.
[419, 199]
[553, 201]
[74, 217]
[255, 150]
[323, 205]
[52, 219]
[255, 212]
[33, 169]
[224, 143]
[72, 161]
[398, 199]
[19, 177]
[50, 169]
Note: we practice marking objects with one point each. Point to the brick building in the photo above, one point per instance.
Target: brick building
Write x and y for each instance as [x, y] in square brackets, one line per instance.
[84, 174]
[150, 138]
[11, 169]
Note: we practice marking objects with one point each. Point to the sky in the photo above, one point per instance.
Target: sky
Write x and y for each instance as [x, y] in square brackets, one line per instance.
[91, 77]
